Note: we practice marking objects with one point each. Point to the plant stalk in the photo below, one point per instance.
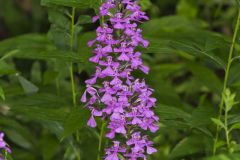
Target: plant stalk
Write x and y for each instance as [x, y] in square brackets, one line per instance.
[72, 72]
[226, 78]
[226, 129]
[101, 140]
[71, 47]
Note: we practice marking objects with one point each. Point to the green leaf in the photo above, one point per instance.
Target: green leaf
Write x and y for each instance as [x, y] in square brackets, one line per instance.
[189, 146]
[39, 54]
[76, 120]
[36, 47]
[2, 95]
[189, 36]
[206, 76]
[174, 117]
[6, 69]
[169, 112]
[235, 126]
[28, 87]
[229, 99]
[218, 122]
[72, 3]
[84, 19]
[201, 116]
[22, 132]
[40, 107]
[224, 157]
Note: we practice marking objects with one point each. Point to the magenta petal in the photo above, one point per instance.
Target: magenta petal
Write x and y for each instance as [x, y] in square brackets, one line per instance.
[153, 128]
[151, 150]
[97, 113]
[91, 122]
[112, 157]
[108, 49]
[123, 57]
[108, 71]
[91, 81]
[84, 97]
[110, 135]
[95, 18]
[121, 130]
[145, 69]
[90, 43]
[118, 26]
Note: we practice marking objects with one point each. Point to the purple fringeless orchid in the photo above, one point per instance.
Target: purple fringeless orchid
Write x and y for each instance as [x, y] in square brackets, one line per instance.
[115, 95]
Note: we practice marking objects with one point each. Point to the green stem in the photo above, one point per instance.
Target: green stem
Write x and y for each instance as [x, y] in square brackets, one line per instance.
[227, 70]
[226, 129]
[71, 70]
[101, 140]
[71, 65]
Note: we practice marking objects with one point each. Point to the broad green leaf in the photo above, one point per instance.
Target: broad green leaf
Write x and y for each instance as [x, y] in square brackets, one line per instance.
[36, 47]
[173, 117]
[172, 113]
[189, 36]
[15, 127]
[58, 18]
[39, 107]
[76, 120]
[39, 54]
[72, 3]
[193, 48]
[24, 42]
[18, 138]
[168, 24]
[189, 146]
[28, 87]
[206, 76]
[201, 116]
[84, 19]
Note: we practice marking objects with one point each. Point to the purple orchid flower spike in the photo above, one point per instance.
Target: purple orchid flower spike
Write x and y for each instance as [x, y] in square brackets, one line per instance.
[113, 93]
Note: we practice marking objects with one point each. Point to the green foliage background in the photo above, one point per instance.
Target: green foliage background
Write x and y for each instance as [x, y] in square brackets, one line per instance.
[188, 56]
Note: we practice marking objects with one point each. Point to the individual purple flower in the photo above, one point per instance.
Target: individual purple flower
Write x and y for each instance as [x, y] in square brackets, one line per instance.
[3, 146]
[112, 153]
[113, 93]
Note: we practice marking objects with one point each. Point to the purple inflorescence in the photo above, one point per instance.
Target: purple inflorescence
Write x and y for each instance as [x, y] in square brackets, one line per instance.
[3, 146]
[114, 94]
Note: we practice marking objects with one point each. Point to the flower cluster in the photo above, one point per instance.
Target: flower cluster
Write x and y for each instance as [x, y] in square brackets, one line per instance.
[114, 94]
[3, 146]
